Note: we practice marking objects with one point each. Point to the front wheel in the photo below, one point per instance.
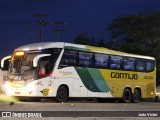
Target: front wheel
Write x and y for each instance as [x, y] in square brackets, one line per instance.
[127, 96]
[62, 94]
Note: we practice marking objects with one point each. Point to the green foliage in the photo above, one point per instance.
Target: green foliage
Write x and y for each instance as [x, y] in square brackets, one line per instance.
[142, 31]
[83, 39]
[139, 34]
[7, 99]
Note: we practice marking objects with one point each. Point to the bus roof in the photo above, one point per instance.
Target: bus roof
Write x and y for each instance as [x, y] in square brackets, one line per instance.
[44, 45]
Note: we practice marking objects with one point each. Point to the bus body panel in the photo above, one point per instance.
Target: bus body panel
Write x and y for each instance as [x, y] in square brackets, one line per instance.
[85, 81]
[21, 88]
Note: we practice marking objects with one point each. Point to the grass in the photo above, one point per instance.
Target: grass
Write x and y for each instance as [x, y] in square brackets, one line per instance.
[7, 99]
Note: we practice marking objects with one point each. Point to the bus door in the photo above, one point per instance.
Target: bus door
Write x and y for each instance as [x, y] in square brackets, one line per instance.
[69, 76]
[43, 75]
[67, 69]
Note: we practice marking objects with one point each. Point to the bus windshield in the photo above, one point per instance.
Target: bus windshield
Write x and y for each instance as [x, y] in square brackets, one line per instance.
[21, 66]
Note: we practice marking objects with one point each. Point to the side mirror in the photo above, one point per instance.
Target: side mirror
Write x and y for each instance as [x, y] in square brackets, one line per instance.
[5, 62]
[35, 60]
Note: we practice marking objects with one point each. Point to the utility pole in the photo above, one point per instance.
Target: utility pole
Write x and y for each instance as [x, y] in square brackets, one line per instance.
[58, 30]
[41, 22]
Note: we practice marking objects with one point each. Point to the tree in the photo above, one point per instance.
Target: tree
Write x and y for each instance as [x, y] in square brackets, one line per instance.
[101, 43]
[141, 31]
[139, 34]
[85, 40]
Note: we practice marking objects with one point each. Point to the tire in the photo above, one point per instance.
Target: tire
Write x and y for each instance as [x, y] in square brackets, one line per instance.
[127, 96]
[136, 97]
[62, 94]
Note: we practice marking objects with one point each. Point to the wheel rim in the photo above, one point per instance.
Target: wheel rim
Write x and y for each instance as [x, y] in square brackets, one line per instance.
[127, 96]
[62, 95]
[136, 96]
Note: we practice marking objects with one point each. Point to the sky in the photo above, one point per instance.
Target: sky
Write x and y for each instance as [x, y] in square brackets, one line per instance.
[19, 27]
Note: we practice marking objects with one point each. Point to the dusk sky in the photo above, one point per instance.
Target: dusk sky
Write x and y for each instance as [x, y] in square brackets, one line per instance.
[19, 27]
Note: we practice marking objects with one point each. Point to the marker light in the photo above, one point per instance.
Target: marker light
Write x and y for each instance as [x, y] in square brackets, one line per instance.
[39, 48]
[152, 93]
[26, 49]
[19, 53]
[50, 90]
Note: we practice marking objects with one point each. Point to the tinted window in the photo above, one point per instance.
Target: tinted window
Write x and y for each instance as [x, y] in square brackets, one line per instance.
[55, 52]
[69, 58]
[44, 69]
[101, 60]
[128, 63]
[85, 59]
[98, 60]
[115, 62]
[141, 65]
[150, 65]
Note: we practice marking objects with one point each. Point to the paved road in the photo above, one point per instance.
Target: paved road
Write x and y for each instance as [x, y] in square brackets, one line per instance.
[81, 106]
[87, 110]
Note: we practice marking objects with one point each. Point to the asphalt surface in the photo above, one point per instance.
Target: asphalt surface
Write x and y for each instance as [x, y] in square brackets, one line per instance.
[87, 110]
[82, 110]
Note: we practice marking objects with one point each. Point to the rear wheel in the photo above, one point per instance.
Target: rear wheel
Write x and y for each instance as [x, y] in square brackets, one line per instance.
[62, 94]
[136, 96]
[127, 96]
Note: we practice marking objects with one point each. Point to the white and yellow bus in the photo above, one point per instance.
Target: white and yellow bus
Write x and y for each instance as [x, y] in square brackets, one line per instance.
[63, 70]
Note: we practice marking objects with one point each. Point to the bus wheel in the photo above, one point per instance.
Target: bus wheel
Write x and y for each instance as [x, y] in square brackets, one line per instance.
[62, 94]
[136, 96]
[127, 96]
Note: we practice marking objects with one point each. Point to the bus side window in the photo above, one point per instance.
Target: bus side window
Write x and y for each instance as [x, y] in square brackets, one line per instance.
[44, 69]
[85, 59]
[150, 65]
[129, 63]
[69, 58]
[101, 60]
[115, 62]
[141, 64]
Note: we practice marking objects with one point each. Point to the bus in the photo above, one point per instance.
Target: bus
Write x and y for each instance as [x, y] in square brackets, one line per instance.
[64, 70]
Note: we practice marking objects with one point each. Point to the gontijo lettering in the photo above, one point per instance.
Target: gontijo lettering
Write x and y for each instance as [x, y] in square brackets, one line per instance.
[124, 75]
